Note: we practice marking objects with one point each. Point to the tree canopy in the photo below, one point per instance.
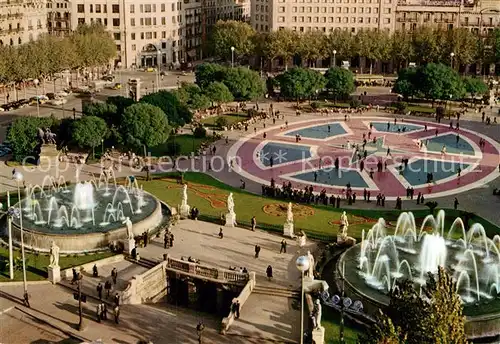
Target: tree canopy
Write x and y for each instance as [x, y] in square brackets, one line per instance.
[218, 93]
[232, 33]
[89, 131]
[145, 124]
[299, 83]
[177, 113]
[340, 82]
[244, 84]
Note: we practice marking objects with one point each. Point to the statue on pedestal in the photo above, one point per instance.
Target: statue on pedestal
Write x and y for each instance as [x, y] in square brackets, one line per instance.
[289, 214]
[342, 237]
[46, 137]
[54, 255]
[317, 313]
[184, 194]
[184, 208]
[230, 216]
[128, 224]
[230, 203]
[310, 272]
[288, 229]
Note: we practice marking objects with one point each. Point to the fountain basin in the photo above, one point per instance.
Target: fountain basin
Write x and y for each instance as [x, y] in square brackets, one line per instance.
[94, 226]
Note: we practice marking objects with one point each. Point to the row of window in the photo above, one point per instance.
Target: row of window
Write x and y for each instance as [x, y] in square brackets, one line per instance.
[103, 21]
[58, 5]
[153, 21]
[310, 9]
[152, 8]
[80, 8]
[387, 2]
[145, 35]
[163, 45]
[344, 20]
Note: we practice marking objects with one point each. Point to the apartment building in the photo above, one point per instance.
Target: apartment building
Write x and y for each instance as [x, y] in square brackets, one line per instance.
[323, 15]
[478, 16]
[146, 32]
[58, 17]
[22, 20]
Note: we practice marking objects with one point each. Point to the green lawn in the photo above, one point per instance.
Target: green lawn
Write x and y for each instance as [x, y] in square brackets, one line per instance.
[209, 196]
[36, 264]
[230, 118]
[331, 322]
[188, 144]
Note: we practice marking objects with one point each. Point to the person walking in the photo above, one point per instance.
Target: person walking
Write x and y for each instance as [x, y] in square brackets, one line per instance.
[283, 246]
[98, 312]
[117, 299]
[455, 203]
[199, 331]
[171, 240]
[221, 234]
[116, 312]
[99, 290]
[107, 287]
[165, 240]
[104, 311]
[114, 275]
[269, 272]
[95, 273]
[237, 309]
[254, 223]
[257, 251]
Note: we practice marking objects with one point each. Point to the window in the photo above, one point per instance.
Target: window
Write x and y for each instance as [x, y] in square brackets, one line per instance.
[149, 35]
[80, 8]
[387, 11]
[154, 35]
[115, 8]
[147, 8]
[164, 34]
[97, 8]
[173, 7]
[163, 7]
[294, 19]
[147, 21]
[294, 9]
[387, 20]
[118, 47]
[141, 21]
[132, 21]
[105, 21]
[154, 7]
[360, 20]
[281, 19]
[91, 8]
[116, 21]
[154, 20]
[81, 21]
[132, 36]
[132, 8]
[164, 45]
[163, 21]
[281, 9]
[142, 35]
[133, 47]
[116, 36]
[105, 8]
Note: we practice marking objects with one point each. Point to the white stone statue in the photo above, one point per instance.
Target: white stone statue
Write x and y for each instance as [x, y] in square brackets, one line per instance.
[343, 221]
[317, 313]
[302, 239]
[310, 272]
[54, 255]
[184, 194]
[230, 203]
[128, 224]
[289, 214]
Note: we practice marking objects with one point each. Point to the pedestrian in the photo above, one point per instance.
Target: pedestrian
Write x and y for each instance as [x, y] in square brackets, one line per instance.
[237, 309]
[257, 251]
[199, 331]
[98, 312]
[116, 312]
[107, 287]
[171, 240]
[165, 240]
[269, 272]
[99, 290]
[117, 299]
[254, 223]
[104, 310]
[95, 273]
[283, 246]
[455, 204]
[75, 275]
[145, 238]
[221, 234]
[114, 275]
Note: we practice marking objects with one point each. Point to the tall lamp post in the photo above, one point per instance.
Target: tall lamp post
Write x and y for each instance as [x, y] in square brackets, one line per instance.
[302, 264]
[80, 312]
[452, 55]
[334, 57]
[158, 63]
[18, 177]
[36, 82]
[119, 66]
[232, 57]
[10, 212]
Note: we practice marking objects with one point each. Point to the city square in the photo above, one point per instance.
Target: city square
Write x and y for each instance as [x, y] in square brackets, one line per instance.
[235, 176]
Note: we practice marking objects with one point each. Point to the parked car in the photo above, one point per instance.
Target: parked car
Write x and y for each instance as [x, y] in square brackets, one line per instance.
[63, 94]
[51, 96]
[108, 77]
[58, 101]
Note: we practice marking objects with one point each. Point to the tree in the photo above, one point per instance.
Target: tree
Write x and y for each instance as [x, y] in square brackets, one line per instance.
[244, 84]
[340, 82]
[406, 83]
[108, 112]
[221, 122]
[177, 113]
[207, 73]
[342, 42]
[89, 132]
[463, 43]
[475, 86]
[426, 45]
[383, 332]
[145, 125]
[299, 83]
[402, 49]
[231, 33]
[281, 43]
[311, 46]
[437, 81]
[23, 135]
[191, 96]
[218, 93]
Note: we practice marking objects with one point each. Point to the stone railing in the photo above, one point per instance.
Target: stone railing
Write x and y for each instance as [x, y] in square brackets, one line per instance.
[205, 272]
[242, 298]
[149, 287]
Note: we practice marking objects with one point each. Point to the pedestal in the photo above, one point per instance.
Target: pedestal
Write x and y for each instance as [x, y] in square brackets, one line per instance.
[49, 156]
[184, 210]
[54, 274]
[230, 219]
[288, 230]
[128, 246]
[318, 335]
[302, 241]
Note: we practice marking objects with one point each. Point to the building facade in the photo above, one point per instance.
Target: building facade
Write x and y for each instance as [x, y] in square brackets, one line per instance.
[58, 17]
[22, 20]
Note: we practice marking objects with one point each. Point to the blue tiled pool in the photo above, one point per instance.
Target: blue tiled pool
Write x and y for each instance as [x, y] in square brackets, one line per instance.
[282, 153]
[320, 131]
[333, 177]
[416, 172]
[396, 128]
[435, 144]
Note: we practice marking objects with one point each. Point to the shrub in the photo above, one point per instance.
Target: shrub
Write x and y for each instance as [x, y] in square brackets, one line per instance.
[200, 132]
[173, 148]
[354, 103]
[401, 107]
[221, 122]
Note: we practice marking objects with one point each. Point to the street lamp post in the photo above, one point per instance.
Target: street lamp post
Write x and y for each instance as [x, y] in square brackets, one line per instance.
[36, 82]
[302, 264]
[102, 147]
[119, 66]
[232, 57]
[178, 82]
[452, 55]
[80, 312]
[334, 58]
[18, 177]
[10, 212]
[342, 279]
[158, 63]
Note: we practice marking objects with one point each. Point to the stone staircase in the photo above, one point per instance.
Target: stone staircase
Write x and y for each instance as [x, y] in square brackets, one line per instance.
[276, 291]
[144, 262]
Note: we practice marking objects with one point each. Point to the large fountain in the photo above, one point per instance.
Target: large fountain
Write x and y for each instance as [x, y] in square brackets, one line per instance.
[86, 216]
[409, 252]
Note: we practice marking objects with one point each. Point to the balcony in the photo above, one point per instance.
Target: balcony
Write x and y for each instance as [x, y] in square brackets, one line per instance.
[11, 3]
[432, 3]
